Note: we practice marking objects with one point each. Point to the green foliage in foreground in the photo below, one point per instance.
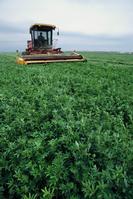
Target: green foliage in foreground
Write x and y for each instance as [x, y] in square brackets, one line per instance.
[67, 129]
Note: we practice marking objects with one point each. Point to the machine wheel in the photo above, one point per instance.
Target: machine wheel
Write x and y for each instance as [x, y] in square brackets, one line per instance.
[25, 53]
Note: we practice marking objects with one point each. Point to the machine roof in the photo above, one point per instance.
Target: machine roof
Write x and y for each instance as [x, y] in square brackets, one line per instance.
[42, 26]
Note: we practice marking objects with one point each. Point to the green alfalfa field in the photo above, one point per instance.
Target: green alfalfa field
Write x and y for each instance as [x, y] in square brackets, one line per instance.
[67, 128]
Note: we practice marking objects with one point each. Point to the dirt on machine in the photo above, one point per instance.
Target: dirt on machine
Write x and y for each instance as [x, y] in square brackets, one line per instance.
[40, 48]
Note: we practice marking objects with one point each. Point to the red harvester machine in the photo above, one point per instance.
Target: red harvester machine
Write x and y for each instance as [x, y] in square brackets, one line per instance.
[40, 48]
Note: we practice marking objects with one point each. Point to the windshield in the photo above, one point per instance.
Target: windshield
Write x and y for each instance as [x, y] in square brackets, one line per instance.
[42, 39]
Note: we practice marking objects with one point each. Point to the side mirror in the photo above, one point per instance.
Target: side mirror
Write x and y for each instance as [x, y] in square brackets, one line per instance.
[58, 32]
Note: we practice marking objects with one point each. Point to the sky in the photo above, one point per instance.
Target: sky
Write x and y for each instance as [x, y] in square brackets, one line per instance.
[93, 25]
